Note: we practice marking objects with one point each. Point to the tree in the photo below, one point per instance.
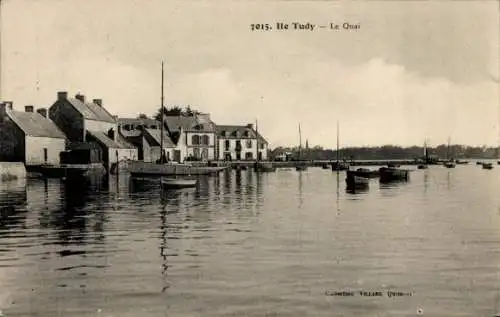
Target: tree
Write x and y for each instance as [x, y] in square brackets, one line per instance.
[142, 116]
[176, 111]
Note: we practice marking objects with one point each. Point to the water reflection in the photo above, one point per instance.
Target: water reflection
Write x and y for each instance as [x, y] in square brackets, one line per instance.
[301, 198]
[13, 202]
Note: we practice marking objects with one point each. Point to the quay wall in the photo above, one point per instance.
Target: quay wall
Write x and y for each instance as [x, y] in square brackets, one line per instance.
[12, 170]
[289, 164]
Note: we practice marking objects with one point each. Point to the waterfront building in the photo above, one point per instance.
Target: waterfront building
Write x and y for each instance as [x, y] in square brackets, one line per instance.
[29, 137]
[145, 134]
[84, 121]
[240, 142]
[198, 134]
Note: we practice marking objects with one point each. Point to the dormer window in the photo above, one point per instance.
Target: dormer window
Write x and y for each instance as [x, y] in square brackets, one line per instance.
[154, 127]
[223, 133]
[247, 134]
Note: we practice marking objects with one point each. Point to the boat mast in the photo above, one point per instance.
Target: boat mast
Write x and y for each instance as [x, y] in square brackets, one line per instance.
[257, 139]
[162, 121]
[300, 143]
[338, 154]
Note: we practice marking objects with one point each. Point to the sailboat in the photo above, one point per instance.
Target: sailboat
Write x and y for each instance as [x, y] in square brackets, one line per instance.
[450, 163]
[426, 158]
[301, 166]
[164, 168]
[339, 166]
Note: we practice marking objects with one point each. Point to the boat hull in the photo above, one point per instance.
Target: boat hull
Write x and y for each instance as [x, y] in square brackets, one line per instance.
[174, 183]
[153, 169]
[388, 174]
[354, 181]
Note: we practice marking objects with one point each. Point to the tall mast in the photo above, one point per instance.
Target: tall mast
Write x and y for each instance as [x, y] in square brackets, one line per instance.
[338, 154]
[162, 122]
[257, 137]
[300, 143]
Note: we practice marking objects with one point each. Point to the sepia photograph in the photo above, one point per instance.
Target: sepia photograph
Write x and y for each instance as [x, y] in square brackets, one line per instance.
[249, 158]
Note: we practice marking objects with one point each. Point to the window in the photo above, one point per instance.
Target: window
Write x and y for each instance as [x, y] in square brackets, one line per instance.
[262, 145]
[248, 156]
[204, 153]
[205, 140]
[247, 134]
[223, 133]
[195, 139]
[196, 152]
[226, 145]
[249, 144]
[238, 145]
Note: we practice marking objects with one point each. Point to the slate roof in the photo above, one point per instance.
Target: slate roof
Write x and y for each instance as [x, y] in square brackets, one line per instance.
[109, 143]
[91, 111]
[241, 129]
[156, 135]
[189, 123]
[138, 121]
[34, 124]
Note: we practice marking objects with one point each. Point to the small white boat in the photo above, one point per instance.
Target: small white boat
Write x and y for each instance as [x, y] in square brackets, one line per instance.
[178, 182]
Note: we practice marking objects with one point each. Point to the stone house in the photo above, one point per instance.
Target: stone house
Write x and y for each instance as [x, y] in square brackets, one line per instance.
[29, 136]
[84, 121]
[240, 142]
[198, 134]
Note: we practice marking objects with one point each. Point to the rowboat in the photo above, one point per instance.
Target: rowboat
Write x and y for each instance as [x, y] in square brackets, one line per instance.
[364, 172]
[388, 174]
[449, 164]
[171, 183]
[487, 166]
[354, 181]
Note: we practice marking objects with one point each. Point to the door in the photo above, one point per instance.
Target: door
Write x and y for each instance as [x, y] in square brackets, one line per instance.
[177, 156]
[45, 155]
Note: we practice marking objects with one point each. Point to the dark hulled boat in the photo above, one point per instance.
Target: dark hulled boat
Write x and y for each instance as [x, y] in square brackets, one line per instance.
[389, 174]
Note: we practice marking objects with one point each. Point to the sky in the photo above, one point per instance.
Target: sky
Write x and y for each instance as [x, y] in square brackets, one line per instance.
[413, 70]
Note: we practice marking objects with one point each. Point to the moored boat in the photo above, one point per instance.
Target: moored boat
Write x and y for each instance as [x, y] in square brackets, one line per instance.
[422, 166]
[388, 174]
[138, 168]
[355, 181]
[449, 164]
[326, 166]
[364, 172]
[173, 183]
[487, 166]
[460, 162]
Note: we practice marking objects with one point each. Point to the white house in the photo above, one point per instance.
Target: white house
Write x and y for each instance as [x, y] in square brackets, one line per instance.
[198, 134]
[240, 142]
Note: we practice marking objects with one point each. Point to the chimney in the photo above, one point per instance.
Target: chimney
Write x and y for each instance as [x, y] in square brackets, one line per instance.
[250, 126]
[62, 95]
[80, 97]
[29, 108]
[43, 112]
[98, 102]
[4, 108]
